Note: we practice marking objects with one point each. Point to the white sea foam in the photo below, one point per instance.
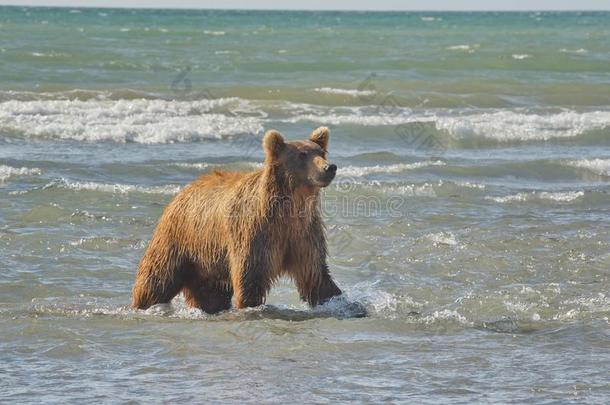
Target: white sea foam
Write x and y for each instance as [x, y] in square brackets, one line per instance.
[205, 165]
[499, 125]
[116, 188]
[49, 55]
[521, 56]
[446, 315]
[413, 190]
[160, 121]
[459, 47]
[409, 190]
[586, 306]
[381, 302]
[519, 306]
[576, 51]
[567, 196]
[509, 125]
[214, 33]
[467, 184]
[360, 171]
[510, 198]
[7, 172]
[428, 19]
[345, 92]
[99, 242]
[138, 120]
[598, 166]
[198, 166]
[464, 48]
[353, 119]
[442, 238]
[390, 306]
[561, 197]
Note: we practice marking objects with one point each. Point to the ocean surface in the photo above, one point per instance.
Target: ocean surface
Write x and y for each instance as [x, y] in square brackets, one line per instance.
[470, 214]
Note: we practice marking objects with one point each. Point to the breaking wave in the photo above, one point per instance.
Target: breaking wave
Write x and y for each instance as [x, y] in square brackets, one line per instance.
[361, 171]
[138, 120]
[506, 126]
[90, 116]
[345, 92]
[567, 196]
[116, 188]
[7, 172]
[503, 126]
[600, 167]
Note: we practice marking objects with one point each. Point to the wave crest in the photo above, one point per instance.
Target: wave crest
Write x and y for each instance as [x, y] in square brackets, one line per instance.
[600, 167]
[7, 172]
[361, 171]
[117, 188]
[345, 92]
[567, 196]
[139, 120]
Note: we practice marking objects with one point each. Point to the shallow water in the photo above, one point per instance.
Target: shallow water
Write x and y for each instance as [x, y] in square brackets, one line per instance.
[470, 212]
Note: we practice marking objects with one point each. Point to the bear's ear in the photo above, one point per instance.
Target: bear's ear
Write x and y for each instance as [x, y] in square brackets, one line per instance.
[320, 136]
[273, 144]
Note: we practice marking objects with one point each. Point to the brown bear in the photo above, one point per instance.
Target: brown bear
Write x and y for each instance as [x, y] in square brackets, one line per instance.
[234, 233]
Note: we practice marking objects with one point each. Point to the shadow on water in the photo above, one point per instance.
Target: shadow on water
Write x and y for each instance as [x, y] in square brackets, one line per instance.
[177, 310]
[344, 310]
[339, 309]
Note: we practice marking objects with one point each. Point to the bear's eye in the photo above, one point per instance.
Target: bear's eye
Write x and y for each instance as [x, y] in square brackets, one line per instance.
[302, 155]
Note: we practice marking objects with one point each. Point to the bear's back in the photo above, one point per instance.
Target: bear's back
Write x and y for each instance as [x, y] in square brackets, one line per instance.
[222, 187]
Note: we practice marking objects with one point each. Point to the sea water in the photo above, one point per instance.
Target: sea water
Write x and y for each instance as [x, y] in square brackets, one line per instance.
[470, 213]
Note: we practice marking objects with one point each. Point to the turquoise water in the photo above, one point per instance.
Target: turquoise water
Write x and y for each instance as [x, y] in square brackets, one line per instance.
[470, 211]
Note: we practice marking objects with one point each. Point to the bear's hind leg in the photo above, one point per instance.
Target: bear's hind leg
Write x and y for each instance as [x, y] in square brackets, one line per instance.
[211, 296]
[149, 290]
[160, 278]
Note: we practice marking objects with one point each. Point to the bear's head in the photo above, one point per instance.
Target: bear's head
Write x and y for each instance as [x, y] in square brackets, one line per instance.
[304, 162]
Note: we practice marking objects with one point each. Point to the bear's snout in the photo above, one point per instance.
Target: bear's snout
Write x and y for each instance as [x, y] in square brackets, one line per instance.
[329, 173]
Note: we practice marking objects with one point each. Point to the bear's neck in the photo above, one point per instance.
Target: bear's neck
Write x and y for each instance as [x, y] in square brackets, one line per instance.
[298, 200]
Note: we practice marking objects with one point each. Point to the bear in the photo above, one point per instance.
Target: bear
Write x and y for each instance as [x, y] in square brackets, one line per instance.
[230, 235]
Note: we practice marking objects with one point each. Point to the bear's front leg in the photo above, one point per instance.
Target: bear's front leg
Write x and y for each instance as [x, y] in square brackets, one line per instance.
[327, 290]
[322, 290]
[250, 277]
[318, 289]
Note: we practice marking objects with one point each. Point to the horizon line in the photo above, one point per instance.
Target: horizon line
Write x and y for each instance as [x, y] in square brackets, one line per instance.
[482, 10]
